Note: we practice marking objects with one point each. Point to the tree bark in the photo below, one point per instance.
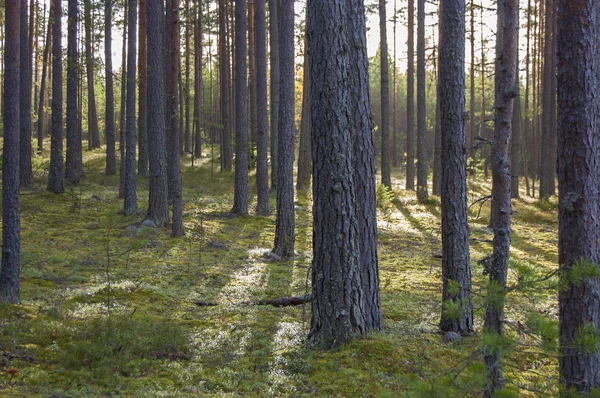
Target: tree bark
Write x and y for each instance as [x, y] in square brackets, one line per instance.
[111, 158]
[93, 133]
[336, 287]
[456, 268]
[25, 170]
[284, 228]
[158, 208]
[122, 132]
[262, 127]
[274, 86]
[240, 194]
[56, 171]
[547, 166]
[437, 146]
[363, 164]
[386, 178]
[410, 99]
[198, 82]
[143, 92]
[422, 169]
[226, 160]
[130, 205]
[42, 96]
[515, 140]
[505, 81]
[72, 170]
[578, 121]
[304, 151]
[11, 239]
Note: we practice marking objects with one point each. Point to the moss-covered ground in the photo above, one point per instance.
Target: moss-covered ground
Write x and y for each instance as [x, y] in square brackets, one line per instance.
[110, 308]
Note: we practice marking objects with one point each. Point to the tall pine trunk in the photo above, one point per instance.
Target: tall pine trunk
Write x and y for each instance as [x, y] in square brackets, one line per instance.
[262, 126]
[386, 178]
[274, 86]
[130, 205]
[304, 152]
[410, 99]
[422, 168]
[56, 171]
[93, 133]
[72, 171]
[143, 90]
[25, 170]
[111, 159]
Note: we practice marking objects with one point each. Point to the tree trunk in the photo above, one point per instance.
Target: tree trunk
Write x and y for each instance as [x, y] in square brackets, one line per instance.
[240, 194]
[386, 178]
[158, 208]
[410, 99]
[42, 96]
[262, 127]
[93, 134]
[25, 170]
[130, 206]
[437, 145]
[143, 92]
[506, 65]
[122, 136]
[226, 160]
[579, 299]
[515, 140]
[363, 151]
[56, 171]
[548, 97]
[252, 75]
[274, 86]
[304, 152]
[111, 159]
[173, 171]
[284, 229]
[336, 287]
[422, 169]
[198, 82]
[187, 143]
[395, 157]
[457, 310]
[72, 171]
[11, 239]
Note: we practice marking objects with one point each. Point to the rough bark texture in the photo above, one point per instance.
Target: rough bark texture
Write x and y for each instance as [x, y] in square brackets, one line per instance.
[11, 235]
[337, 294]
[42, 96]
[515, 139]
[386, 178]
[422, 169]
[111, 158]
[456, 267]
[252, 76]
[274, 86]
[547, 158]
[93, 133]
[578, 122]
[198, 82]
[304, 151]
[506, 65]
[437, 145]
[158, 209]
[410, 99]
[364, 164]
[284, 228]
[262, 127]
[174, 171]
[122, 135]
[240, 192]
[143, 93]
[225, 91]
[56, 171]
[72, 170]
[130, 177]
[25, 170]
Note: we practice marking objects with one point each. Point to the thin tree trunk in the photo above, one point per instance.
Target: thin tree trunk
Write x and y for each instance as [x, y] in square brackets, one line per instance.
[252, 77]
[410, 100]
[187, 143]
[284, 228]
[56, 171]
[130, 206]
[262, 127]
[240, 193]
[506, 65]
[72, 171]
[111, 159]
[143, 93]
[422, 169]
[274, 86]
[226, 159]
[122, 130]
[437, 145]
[546, 164]
[386, 178]
[11, 239]
[395, 157]
[93, 134]
[304, 152]
[42, 97]
[515, 140]
[25, 170]
[198, 82]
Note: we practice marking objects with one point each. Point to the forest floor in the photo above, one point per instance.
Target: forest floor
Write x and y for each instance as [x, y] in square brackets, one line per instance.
[111, 308]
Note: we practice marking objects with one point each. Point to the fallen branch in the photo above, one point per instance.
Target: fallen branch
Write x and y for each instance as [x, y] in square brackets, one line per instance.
[278, 302]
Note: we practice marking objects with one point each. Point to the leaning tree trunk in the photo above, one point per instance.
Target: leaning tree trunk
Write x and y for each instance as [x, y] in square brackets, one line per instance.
[72, 171]
[337, 292]
[56, 171]
[457, 310]
[111, 158]
[11, 239]
[364, 164]
[284, 228]
[130, 205]
[25, 170]
[506, 65]
[262, 126]
[386, 178]
[158, 207]
[578, 120]
[422, 169]
[240, 193]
